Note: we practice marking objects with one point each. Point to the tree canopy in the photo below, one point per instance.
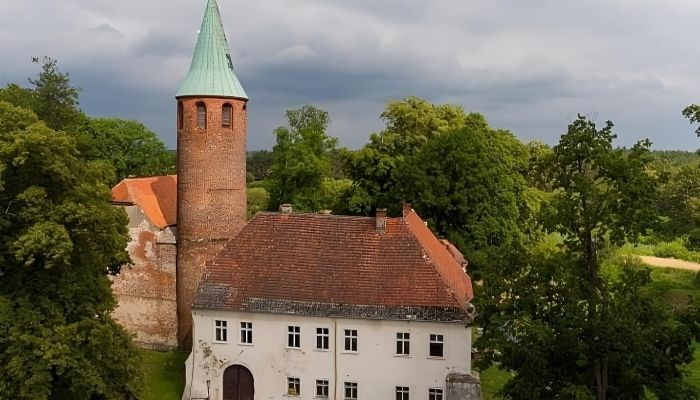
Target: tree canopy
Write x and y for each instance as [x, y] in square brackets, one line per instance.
[692, 112]
[59, 240]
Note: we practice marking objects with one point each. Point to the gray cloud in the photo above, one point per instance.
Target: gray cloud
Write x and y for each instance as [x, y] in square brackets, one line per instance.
[530, 67]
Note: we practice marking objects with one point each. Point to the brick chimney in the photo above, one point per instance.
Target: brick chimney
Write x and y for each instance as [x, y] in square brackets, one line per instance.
[380, 220]
[286, 208]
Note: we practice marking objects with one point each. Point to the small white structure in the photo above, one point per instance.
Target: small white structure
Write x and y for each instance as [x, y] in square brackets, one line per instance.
[321, 306]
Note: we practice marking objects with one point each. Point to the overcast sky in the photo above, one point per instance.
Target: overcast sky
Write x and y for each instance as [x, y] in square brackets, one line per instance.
[528, 66]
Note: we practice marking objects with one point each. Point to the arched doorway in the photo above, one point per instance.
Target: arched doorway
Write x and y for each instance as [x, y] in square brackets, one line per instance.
[238, 383]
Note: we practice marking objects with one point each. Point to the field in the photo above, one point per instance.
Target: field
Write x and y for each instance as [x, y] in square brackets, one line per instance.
[164, 375]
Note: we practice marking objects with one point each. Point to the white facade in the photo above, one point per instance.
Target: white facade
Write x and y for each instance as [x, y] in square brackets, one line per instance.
[374, 367]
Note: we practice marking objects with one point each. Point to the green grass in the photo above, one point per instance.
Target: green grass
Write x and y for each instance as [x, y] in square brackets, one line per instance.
[492, 380]
[164, 374]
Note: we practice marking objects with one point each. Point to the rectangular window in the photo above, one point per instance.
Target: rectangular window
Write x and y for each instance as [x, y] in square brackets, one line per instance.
[293, 386]
[294, 336]
[322, 388]
[350, 391]
[351, 340]
[436, 344]
[247, 332]
[434, 394]
[403, 343]
[220, 331]
[402, 393]
[322, 338]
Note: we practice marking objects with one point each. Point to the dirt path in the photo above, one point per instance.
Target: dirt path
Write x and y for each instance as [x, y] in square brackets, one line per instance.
[669, 263]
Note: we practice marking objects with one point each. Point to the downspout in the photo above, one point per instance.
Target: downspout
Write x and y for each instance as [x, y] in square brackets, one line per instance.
[335, 359]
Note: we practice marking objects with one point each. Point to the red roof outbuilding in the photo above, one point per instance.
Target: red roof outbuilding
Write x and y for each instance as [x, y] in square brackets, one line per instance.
[156, 196]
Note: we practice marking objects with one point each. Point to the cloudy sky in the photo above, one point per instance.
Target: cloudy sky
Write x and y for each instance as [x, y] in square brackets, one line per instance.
[528, 66]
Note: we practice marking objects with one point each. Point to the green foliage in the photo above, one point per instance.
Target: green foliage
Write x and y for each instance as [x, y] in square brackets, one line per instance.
[257, 200]
[55, 100]
[18, 96]
[259, 164]
[128, 146]
[301, 160]
[692, 112]
[59, 238]
[679, 201]
[410, 124]
[165, 374]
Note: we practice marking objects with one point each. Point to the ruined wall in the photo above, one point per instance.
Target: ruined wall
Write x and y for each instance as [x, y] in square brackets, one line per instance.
[211, 193]
[145, 290]
[463, 386]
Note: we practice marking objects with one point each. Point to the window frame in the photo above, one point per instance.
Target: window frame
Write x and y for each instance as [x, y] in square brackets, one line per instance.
[350, 337]
[323, 335]
[402, 392]
[436, 339]
[220, 331]
[246, 333]
[293, 336]
[227, 110]
[353, 388]
[323, 385]
[403, 344]
[201, 120]
[436, 394]
[293, 383]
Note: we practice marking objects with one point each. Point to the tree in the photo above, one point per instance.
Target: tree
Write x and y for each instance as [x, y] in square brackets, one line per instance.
[59, 240]
[56, 101]
[567, 328]
[258, 164]
[468, 184]
[410, 124]
[692, 112]
[679, 201]
[131, 148]
[301, 159]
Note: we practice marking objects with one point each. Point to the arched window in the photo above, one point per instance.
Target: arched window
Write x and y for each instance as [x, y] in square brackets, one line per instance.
[226, 115]
[201, 115]
[180, 116]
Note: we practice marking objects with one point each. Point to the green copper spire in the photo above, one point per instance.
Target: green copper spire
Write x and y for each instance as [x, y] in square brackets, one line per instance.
[211, 72]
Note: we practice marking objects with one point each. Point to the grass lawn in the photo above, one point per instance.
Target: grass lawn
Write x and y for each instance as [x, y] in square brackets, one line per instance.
[164, 374]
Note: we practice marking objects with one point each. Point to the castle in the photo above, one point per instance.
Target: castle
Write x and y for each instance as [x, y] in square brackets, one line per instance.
[287, 304]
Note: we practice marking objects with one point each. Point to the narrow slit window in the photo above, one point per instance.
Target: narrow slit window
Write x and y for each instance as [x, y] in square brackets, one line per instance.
[180, 115]
[201, 115]
[226, 115]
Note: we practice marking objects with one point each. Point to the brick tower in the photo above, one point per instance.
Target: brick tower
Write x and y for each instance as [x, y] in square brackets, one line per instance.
[211, 162]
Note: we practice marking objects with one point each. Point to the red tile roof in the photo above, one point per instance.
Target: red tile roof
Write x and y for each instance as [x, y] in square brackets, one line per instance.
[337, 266]
[156, 196]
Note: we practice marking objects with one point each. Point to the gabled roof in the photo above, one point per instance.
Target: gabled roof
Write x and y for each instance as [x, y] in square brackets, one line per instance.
[156, 196]
[211, 72]
[328, 265]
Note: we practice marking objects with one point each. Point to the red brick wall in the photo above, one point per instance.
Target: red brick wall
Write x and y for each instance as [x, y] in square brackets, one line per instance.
[211, 169]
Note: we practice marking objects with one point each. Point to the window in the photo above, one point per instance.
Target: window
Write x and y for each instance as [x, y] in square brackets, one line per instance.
[434, 394]
[201, 115]
[220, 331]
[180, 115]
[436, 342]
[226, 113]
[293, 336]
[403, 344]
[350, 391]
[322, 388]
[351, 340]
[322, 338]
[401, 393]
[293, 386]
[247, 332]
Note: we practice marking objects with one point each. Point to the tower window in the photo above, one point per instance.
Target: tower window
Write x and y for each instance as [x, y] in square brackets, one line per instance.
[180, 115]
[201, 115]
[226, 115]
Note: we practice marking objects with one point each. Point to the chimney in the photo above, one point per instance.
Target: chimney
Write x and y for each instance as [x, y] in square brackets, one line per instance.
[380, 220]
[406, 209]
[286, 208]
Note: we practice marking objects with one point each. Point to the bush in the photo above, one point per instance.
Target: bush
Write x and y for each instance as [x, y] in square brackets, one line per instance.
[674, 249]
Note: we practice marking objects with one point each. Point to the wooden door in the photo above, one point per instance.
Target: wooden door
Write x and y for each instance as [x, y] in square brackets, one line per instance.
[238, 383]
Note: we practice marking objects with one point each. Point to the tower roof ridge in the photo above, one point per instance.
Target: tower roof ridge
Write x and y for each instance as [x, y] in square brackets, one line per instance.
[211, 72]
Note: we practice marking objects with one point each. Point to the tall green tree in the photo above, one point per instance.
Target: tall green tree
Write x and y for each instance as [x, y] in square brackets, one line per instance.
[692, 112]
[55, 99]
[302, 159]
[566, 327]
[410, 124]
[59, 240]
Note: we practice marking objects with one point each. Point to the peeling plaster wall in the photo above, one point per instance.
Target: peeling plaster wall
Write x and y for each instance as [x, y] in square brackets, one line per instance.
[145, 290]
